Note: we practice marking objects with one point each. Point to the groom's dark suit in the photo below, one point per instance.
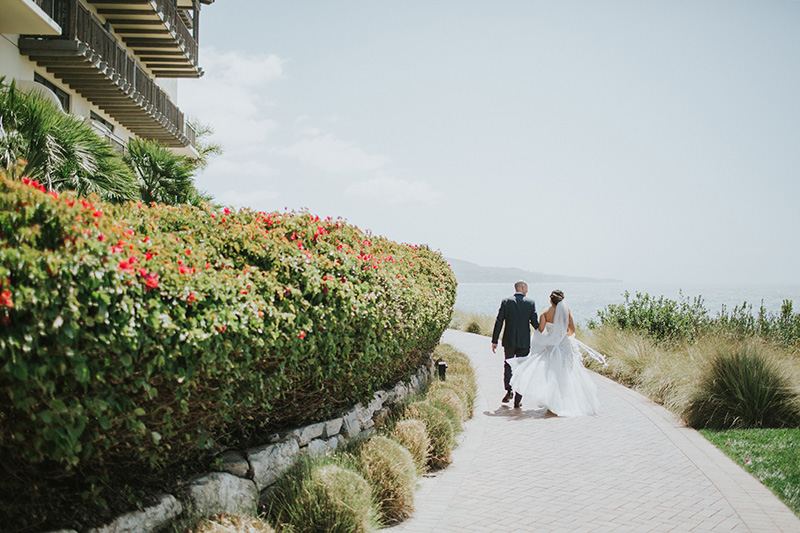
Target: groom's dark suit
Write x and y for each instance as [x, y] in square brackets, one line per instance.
[519, 314]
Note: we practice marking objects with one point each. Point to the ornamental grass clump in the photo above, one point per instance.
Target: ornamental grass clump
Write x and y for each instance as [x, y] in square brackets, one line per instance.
[476, 323]
[448, 401]
[440, 431]
[413, 435]
[743, 387]
[390, 470]
[460, 377]
[325, 494]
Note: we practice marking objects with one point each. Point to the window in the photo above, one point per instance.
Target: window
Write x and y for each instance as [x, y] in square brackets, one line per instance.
[97, 118]
[62, 96]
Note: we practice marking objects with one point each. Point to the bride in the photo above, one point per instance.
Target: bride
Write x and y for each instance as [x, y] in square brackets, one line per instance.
[553, 374]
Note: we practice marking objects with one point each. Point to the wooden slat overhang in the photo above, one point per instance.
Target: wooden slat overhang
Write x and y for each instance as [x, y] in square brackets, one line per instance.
[115, 84]
[150, 27]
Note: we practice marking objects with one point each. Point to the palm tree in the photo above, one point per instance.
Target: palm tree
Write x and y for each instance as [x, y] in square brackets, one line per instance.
[163, 176]
[62, 151]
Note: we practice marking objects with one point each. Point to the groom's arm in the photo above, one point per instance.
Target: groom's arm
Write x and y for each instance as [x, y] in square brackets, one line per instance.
[534, 318]
[498, 325]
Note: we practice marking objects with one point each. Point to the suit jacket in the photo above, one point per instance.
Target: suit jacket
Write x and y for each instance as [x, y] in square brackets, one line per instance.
[519, 314]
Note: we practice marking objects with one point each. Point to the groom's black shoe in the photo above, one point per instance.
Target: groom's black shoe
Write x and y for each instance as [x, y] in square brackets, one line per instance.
[517, 401]
[508, 396]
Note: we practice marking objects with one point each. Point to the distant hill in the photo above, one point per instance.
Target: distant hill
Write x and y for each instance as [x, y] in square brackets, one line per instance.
[467, 272]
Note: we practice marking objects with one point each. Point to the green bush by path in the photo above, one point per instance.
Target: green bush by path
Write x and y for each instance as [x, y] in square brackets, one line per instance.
[323, 494]
[389, 468]
[768, 454]
[664, 319]
[133, 334]
[440, 431]
[413, 435]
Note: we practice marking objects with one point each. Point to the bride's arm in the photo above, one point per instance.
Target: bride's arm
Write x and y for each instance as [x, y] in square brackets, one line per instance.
[542, 322]
[571, 325]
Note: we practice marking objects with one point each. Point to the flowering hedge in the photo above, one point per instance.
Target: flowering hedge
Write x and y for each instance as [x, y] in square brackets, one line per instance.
[146, 333]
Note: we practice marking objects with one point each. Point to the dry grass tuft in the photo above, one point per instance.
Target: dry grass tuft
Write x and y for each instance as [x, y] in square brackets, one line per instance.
[321, 495]
[413, 434]
[440, 430]
[390, 470]
[448, 400]
[472, 323]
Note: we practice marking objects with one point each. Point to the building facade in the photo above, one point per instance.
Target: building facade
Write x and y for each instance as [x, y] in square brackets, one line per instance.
[114, 62]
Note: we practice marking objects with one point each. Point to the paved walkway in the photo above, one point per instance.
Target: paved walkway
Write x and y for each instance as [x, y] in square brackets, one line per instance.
[633, 467]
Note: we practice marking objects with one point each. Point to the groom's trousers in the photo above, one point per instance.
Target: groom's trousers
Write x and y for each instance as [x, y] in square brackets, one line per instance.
[511, 352]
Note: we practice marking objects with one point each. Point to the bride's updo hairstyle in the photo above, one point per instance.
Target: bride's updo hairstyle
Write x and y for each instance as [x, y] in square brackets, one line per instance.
[556, 296]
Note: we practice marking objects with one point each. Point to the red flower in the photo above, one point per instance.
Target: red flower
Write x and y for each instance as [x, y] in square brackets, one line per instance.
[125, 265]
[183, 269]
[261, 313]
[5, 299]
[243, 291]
[151, 280]
[97, 214]
[221, 329]
[226, 211]
[188, 252]
[101, 238]
[191, 298]
[208, 265]
[302, 335]
[116, 249]
[148, 256]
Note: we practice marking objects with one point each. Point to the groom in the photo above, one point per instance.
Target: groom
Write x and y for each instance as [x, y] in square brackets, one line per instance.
[519, 314]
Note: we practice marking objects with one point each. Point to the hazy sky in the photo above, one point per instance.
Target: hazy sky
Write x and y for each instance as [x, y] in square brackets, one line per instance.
[639, 140]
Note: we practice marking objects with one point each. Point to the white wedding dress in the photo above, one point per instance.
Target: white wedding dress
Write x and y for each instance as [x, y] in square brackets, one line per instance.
[553, 374]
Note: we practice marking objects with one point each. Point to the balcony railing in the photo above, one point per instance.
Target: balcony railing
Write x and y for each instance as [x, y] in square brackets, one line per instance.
[129, 94]
[173, 19]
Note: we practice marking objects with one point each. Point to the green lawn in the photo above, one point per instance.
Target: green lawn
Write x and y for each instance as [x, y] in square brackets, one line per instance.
[771, 455]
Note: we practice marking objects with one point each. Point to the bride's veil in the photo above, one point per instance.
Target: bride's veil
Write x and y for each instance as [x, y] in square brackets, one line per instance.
[556, 333]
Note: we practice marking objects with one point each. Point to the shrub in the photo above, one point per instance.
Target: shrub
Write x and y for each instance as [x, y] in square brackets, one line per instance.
[413, 435]
[667, 320]
[144, 335]
[440, 431]
[448, 401]
[743, 388]
[321, 495]
[460, 377]
[390, 470]
[662, 318]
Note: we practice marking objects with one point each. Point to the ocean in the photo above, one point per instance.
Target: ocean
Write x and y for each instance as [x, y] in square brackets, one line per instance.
[585, 299]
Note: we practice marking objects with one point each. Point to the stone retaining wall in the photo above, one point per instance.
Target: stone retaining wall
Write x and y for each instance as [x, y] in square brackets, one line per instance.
[242, 476]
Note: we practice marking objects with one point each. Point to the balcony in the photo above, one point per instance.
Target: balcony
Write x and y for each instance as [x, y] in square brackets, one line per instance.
[162, 35]
[93, 63]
